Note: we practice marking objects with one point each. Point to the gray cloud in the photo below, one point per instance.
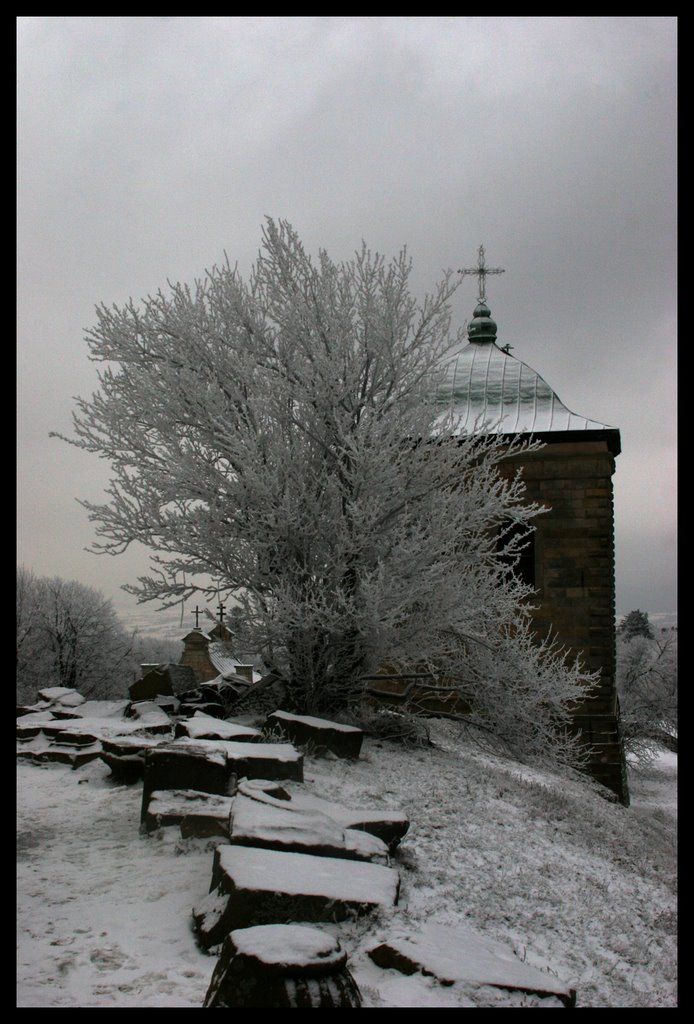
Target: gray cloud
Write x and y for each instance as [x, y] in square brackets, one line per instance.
[149, 146]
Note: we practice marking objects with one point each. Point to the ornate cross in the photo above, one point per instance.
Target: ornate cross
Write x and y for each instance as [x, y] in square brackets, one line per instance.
[220, 609]
[197, 613]
[481, 272]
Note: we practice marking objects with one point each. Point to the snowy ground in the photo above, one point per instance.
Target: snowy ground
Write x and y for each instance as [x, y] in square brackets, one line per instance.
[581, 888]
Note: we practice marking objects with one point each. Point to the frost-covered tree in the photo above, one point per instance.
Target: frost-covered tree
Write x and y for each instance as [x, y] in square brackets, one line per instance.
[68, 634]
[277, 442]
[647, 687]
[636, 623]
[34, 660]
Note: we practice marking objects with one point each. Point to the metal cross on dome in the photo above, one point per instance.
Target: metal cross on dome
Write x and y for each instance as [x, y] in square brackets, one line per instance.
[481, 271]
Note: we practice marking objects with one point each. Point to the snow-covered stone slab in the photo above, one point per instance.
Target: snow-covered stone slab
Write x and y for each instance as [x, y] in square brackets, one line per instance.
[42, 750]
[197, 814]
[125, 755]
[207, 727]
[32, 725]
[167, 703]
[461, 954]
[102, 709]
[283, 827]
[76, 736]
[388, 825]
[150, 716]
[252, 886]
[24, 710]
[62, 695]
[101, 727]
[177, 765]
[253, 760]
[341, 740]
[274, 966]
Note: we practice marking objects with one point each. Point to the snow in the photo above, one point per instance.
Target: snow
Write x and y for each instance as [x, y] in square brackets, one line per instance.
[100, 727]
[579, 888]
[202, 726]
[301, 874]
[63, 695]
[348, 817]
[180, 802]
[288, 945]
[463, 954]
[260, 823]
[255, 819]
[240, 750]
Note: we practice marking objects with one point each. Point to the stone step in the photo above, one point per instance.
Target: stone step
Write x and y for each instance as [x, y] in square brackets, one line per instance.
[196, 813]
[207, 727]
[274, 966]
[252, 760]
[460, 954]
[42, 750]
[388, 825]
[342, 740]
[214, 766]
[174, 766]
[282, 826]
[125, 755]
[252, 886]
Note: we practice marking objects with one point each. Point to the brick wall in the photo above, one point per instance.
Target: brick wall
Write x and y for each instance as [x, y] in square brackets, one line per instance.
[574, 574]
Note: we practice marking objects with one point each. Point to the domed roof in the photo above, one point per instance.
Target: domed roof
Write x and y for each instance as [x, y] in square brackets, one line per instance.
[487, 390]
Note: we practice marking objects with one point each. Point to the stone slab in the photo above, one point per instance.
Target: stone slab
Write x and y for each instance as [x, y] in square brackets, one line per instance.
[284, 827]
[196, 813]
[461, 954]
[252, 887]
[253, 760]
[278, 966]
[342, 740]
[63, 695]
[151, 717]
[207, 727]
[387, 825]
[41, 750]
[125, 755]
[178, 766]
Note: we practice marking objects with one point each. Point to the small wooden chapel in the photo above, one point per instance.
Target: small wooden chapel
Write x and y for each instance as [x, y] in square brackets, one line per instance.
[570, 561]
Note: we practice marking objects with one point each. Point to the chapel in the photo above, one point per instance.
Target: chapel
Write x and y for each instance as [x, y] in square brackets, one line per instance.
[570, 559]
[212, 657]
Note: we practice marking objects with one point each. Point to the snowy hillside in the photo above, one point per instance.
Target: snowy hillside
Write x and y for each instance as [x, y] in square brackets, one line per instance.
[581, 888]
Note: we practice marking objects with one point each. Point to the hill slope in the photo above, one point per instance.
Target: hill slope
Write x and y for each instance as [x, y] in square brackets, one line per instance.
[578, 886]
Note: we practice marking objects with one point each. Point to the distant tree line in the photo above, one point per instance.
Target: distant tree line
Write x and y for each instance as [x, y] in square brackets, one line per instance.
[69, 634]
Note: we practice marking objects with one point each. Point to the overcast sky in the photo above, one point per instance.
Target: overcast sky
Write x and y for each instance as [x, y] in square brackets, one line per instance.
[150, 146]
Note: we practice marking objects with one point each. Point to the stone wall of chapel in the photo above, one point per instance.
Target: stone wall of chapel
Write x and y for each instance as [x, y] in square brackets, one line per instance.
[574, 553]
